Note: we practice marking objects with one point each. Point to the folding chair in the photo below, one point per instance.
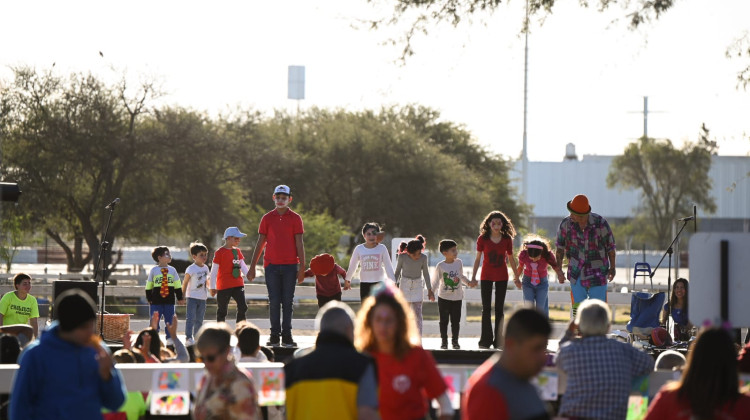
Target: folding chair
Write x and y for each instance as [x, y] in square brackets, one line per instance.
[645, 307]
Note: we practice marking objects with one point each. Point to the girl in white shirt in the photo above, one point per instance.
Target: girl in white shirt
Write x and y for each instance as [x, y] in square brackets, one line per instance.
[373, 260]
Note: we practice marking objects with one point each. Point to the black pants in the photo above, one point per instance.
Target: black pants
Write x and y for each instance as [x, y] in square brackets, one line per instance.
[489, 336]
[449, 309]
[222, 301]
[322, 300]
[366, 288]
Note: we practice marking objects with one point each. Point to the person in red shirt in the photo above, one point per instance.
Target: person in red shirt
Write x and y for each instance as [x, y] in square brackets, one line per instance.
[226, 275]
[327, 283]
[280, 234]
[407, 374]
[500, 389]
[494, 248]
[709, 386]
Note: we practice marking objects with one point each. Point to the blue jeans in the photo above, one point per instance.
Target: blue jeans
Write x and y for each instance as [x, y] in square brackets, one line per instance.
[281, 279]
[166, 311]
[578, 294]
[196, 309]
[537, 294]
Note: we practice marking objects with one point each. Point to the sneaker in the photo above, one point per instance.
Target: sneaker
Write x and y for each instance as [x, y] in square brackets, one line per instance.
[483, 346]
[444, 345]
[273, 341]
[455, 345]
[170, 342]
[189, 342]
[288, 342]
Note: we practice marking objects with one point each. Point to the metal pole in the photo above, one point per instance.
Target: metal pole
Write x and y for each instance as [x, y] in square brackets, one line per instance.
[524, 153]
[645, 116]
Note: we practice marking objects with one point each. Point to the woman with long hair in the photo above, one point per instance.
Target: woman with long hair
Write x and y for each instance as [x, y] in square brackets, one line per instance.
[406, 372]
[494, 249]
[709, 387]
[678, 310]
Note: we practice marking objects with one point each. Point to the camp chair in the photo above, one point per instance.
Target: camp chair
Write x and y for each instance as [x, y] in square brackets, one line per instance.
[644, 306]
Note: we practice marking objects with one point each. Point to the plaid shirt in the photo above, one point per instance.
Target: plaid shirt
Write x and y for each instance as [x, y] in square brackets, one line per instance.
[600, 372]
[586, 250]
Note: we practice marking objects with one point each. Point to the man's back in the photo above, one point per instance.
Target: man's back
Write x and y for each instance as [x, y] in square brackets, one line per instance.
[330, 382]
[494, 393]
[599, 376]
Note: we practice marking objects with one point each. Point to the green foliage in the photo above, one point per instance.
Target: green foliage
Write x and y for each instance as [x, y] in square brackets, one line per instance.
[671, 181]
[11, 234]
[400, 167]
[422, 15]
[323, 234]
[74, 144]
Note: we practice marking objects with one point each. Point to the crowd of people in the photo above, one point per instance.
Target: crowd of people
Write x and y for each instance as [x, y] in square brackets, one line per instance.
[371, 365]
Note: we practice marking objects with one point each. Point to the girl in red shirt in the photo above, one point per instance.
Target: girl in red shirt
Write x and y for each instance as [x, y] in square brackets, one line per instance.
[407, 374]
[495, 244]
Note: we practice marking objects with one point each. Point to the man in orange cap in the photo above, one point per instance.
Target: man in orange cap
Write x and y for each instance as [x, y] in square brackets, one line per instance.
[586, 239]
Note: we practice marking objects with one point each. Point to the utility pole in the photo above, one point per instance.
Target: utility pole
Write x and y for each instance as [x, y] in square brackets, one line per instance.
[645, 113]
[524, 151]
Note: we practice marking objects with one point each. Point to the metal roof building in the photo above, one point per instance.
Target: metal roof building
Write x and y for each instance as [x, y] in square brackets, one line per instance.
[552, 184]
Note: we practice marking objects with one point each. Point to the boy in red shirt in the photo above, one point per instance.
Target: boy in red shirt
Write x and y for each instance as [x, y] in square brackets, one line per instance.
[327, 283]
[226, 275]
[280, 233]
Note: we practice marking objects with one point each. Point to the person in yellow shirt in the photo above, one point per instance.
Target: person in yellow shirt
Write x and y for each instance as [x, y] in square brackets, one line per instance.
[19, 307]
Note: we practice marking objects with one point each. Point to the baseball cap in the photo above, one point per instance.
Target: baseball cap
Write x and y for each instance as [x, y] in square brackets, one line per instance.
[282, 189]
[322, 265]
[233, 231]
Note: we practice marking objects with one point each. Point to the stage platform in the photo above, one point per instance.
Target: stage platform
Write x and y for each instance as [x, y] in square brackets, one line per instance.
[305, 334]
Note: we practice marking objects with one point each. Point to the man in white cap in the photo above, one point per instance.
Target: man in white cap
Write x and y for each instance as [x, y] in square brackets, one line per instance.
[280, 233]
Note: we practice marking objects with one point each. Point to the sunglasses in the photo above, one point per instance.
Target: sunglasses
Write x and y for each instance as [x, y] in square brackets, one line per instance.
[210, 358]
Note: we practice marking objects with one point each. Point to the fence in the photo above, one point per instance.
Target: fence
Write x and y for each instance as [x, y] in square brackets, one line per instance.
[269, 378]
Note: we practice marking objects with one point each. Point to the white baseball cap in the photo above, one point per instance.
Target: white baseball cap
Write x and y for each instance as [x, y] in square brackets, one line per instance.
[282, 189]
[233, 231]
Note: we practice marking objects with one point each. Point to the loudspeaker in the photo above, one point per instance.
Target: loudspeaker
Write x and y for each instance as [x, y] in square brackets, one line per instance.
[88, 287]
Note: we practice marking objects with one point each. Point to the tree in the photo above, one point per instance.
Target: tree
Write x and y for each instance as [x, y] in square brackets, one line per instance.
[74, 144]
[199, 159]
[671, 181]
[322, 235]
[385, 166]
[420, 14]
[11, 234]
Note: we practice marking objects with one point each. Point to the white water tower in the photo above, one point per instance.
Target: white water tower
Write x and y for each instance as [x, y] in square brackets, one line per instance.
[570, 152]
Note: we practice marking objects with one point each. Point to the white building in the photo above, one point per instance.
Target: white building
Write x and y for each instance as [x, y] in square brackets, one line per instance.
[552, 184]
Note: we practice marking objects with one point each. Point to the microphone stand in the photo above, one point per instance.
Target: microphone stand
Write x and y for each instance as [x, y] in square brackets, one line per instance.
[103, 247]
[669, 272]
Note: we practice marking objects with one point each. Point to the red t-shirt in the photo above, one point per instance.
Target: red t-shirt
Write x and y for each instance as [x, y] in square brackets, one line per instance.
[667, 406]
[493, 265]
[281, 247]
[225, 258]
[481, 401]
[328, 285]
[406, 385]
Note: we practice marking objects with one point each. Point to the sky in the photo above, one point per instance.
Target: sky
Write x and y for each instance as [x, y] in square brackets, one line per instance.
[588, 73]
